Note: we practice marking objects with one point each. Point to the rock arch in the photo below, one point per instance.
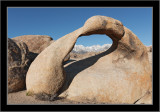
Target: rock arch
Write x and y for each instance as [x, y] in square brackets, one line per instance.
[124, 66]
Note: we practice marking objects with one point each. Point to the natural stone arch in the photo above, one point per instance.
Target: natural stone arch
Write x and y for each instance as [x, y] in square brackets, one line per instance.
[46, 74]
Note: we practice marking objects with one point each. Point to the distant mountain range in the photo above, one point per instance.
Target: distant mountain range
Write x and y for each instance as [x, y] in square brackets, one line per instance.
[95, 48]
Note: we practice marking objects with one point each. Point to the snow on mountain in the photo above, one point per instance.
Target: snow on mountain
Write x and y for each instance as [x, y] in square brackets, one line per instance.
[95, 48]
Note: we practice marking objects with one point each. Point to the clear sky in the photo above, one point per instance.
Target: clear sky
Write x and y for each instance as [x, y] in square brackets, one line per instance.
[57, 22]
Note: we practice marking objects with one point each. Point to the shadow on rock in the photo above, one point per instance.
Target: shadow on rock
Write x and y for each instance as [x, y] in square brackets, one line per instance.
[69, 61]
[76, 67]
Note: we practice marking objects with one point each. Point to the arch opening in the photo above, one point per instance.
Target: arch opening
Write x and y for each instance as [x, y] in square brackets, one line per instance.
[75, 66]
[92, 43]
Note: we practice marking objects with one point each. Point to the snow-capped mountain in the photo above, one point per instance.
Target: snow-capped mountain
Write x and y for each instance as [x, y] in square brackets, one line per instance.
[95, 48]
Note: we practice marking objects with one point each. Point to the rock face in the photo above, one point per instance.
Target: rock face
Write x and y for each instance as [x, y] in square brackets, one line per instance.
[119, 75]
[67, 58]
[22, 51]
[36, 44]
[149, 48]
[146, 99]
[18, 64]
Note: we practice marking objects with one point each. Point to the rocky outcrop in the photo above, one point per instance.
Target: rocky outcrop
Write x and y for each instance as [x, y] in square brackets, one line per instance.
[119, 75]
[28, 47]
[83, 56]
[149, 48]
[36, 44]
[18, 64]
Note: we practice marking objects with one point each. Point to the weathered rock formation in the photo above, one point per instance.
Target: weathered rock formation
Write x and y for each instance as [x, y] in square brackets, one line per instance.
[18, 64]
[149, 48]
[22, 51]
[119, 75]
[36, 44]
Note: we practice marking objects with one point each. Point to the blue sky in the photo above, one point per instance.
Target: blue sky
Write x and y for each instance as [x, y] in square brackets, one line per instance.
[57, 22]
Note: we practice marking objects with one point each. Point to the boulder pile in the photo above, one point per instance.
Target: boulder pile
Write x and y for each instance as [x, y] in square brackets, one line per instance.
[22, 51]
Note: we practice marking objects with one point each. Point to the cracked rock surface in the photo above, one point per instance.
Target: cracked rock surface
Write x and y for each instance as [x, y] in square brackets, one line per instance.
[18, 64]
